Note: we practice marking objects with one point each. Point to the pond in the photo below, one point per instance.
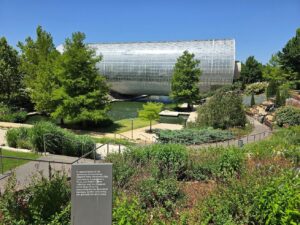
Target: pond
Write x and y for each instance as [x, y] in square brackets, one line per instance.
[129, 109]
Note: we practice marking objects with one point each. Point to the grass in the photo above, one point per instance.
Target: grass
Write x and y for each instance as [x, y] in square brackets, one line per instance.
[9, 164]
[105, 140]
[124, 125]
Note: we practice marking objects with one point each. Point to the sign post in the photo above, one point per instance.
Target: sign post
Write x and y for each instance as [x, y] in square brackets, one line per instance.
[91, 194]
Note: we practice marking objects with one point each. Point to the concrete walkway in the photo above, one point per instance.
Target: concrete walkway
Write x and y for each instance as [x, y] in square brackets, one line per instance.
[26, 172]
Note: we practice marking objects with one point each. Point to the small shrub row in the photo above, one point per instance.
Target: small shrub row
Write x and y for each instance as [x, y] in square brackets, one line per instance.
[193, 136]
[9, 115]
[256, 88]
[54, 139]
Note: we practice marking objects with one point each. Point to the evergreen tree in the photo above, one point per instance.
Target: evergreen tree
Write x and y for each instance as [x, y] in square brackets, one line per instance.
[185, 79]
[278, 100]
[251, 71]
[82, 92]
[252, 103]
[39, 66]
[271, 89]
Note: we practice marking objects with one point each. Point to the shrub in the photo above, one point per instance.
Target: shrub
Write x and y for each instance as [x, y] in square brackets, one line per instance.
[223, 110]
[168, 161]
[122, 171]
[7, 114]
[40, 203]
[128, 211]
[288, 116]
[19, 137]
[162, 193]
[271, 89]
[256, 88]
[215, 163]
[278, 202]
[57, 140]
[193, 136]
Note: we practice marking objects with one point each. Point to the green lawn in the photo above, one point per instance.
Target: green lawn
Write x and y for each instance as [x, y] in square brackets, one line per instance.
[9, 164]
[123, 125]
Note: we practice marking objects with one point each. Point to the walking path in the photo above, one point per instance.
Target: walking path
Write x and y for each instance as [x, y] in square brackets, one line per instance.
[26, 172]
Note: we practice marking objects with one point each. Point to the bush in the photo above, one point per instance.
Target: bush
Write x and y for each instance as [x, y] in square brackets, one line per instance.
[278, 202]
[288, 116]
[215, 163]
[193, 136]
[40, 203]
[19, 137]
[256, 88]
[57, 140]
[7, 114]
[122, 171]
[128, 211]
[164, 160]
[162, 193]
[223, 110]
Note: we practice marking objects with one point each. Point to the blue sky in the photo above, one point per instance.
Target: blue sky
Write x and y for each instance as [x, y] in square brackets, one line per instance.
[260, 27]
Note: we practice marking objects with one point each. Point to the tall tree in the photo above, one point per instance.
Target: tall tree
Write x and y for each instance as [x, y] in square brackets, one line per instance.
[39, 64]
[251, 71]
[185, 79]
[10, 75]
[290, 57]
[82, 91]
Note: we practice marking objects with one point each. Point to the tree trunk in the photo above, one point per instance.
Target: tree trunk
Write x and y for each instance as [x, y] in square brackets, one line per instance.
[150, 126]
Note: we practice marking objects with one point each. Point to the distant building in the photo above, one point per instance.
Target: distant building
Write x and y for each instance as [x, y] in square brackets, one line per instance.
[147, 67]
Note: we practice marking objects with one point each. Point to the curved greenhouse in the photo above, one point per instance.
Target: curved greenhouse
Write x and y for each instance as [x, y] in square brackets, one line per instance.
[147, 67]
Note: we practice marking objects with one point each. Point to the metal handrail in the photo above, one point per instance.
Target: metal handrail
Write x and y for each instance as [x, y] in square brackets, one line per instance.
[35, 160]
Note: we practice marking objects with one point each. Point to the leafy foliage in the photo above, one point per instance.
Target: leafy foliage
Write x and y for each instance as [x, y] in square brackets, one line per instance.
[290, 57]
[7, 114]
[223, 110]
[40, 203]
[150, 112]
[12, 90]
[185, 79]
[288, 116]
[39, 65]
[256, 88]
[251, 71]
[128, 211]
[193, 136]
[162, 193]
[82, 91]
[56, 140]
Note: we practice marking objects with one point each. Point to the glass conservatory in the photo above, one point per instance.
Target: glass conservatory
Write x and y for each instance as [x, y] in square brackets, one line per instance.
[147, 67]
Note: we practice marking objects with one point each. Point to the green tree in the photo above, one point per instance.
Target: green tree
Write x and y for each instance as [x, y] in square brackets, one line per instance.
[252, 103]
[251, 71]
[222, 110]
[150, 112]
[10, 76]
[82, 92]
[290, 58]
[185, 79]
[39, 66]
